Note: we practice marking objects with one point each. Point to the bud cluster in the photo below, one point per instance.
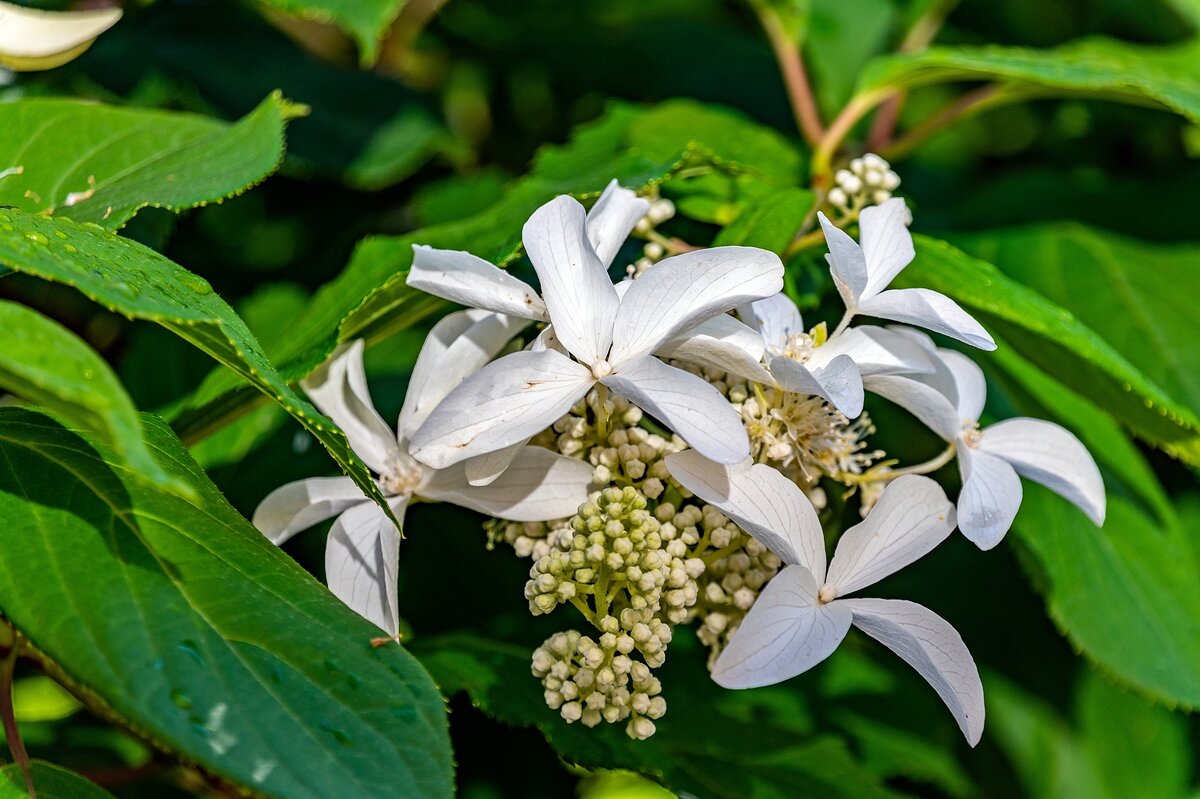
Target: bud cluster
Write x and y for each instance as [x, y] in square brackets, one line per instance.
[661, 210]
[729, 588]
[867, 181]
[592, 681]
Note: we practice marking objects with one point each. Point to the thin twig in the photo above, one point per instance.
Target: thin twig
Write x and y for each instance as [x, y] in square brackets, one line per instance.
[11, 731]
[795, 77]
[970, 103]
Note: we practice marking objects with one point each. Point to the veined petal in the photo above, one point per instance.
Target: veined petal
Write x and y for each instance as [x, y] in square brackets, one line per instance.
[339, 388]
[766, 504]
[538, 485]
[776, 318]
[612, 218]
[685, 403]
[509, 400]
[682, 291]
[968, 382]
[990, 496]
[1050, 455]
[839, 381]
[361, 559]
[886, 244]
[575, 283]
[930, 310]
[297, 506]
[451, 354]
[483, 470]
[471, 281]
[927, 642]
[786, 633]
[846, 262]
[722, 343]
[922, 401]
[911, 518]
[876, 351]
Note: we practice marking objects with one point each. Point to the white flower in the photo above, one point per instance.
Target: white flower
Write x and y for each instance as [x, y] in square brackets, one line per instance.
[612, 337]
[800, 618]
[949, 402]
[862, 272]
[363, 547]
[832, 369]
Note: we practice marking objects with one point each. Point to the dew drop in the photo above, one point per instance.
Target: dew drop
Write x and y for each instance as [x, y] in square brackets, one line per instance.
[128, 289]
[70, 248]
[193, 649]
[37, 238]
[60, 234]
[338, 735]
[180, 699]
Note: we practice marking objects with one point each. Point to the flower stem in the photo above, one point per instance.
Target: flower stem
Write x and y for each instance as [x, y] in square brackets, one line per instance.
[602, 412]
[931, 465]
[970, 103]
[11, 731]
[795, 77]
[839, 129]
[844, 323]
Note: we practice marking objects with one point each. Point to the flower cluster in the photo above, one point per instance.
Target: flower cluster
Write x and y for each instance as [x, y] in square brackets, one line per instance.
[659, 449]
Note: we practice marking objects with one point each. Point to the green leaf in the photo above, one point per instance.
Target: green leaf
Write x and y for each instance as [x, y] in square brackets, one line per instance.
[133, 280]
[101, 164]
[1159, 75]
[712, 742]
[46, 364]
[1136, 295]
[1126, 595]
[1054, 340]
[367, 21]
[184, 621]
[892, 752]
[50, 781]
[771, 224]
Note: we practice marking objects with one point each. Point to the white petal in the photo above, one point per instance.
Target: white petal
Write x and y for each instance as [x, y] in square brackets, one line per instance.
[846, 262]
[876, 351]
[539, 485]
[911, 518]
[839, 381]
[990, 496]
[721, 343]
[1050, 455]
[546, 340]
[930, 310]
[786, 633]
[35, 34]
[483, 469]
[451, 354]
[777, 318]
[509, 400]
[471, 281]
[922, 401]
[968, 382]
[927, 642]
[766, 504]
[361, 559]
[682, 291]
[611, 219]
[687, 404]
[886, 243]
[575, 284]
[297, 506]
[339, 388]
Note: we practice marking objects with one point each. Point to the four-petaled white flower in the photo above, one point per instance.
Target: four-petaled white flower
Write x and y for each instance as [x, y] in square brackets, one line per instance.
[862, 272]
[800, 618]
[832, 369]
[949, 402]
[362, 551]
[611, 336]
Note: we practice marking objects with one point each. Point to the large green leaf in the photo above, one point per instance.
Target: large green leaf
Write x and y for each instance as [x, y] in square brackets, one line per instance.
[1150, 75]
[45, 363]
[1138, 296]
[184, 621]
[771, 224]
[1056, 341]
[136, 281]
[50, 782]
[1126, 595]
[711, 743]
[96, 163]
[365, 20]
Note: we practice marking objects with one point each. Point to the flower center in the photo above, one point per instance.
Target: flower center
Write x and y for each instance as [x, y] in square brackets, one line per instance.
[798, 347]
[401, 478]
[601, 370]
[971, 434]
[826, 594]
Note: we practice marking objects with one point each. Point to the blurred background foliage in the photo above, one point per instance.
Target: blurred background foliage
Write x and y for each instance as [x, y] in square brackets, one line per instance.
[1090, 203]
